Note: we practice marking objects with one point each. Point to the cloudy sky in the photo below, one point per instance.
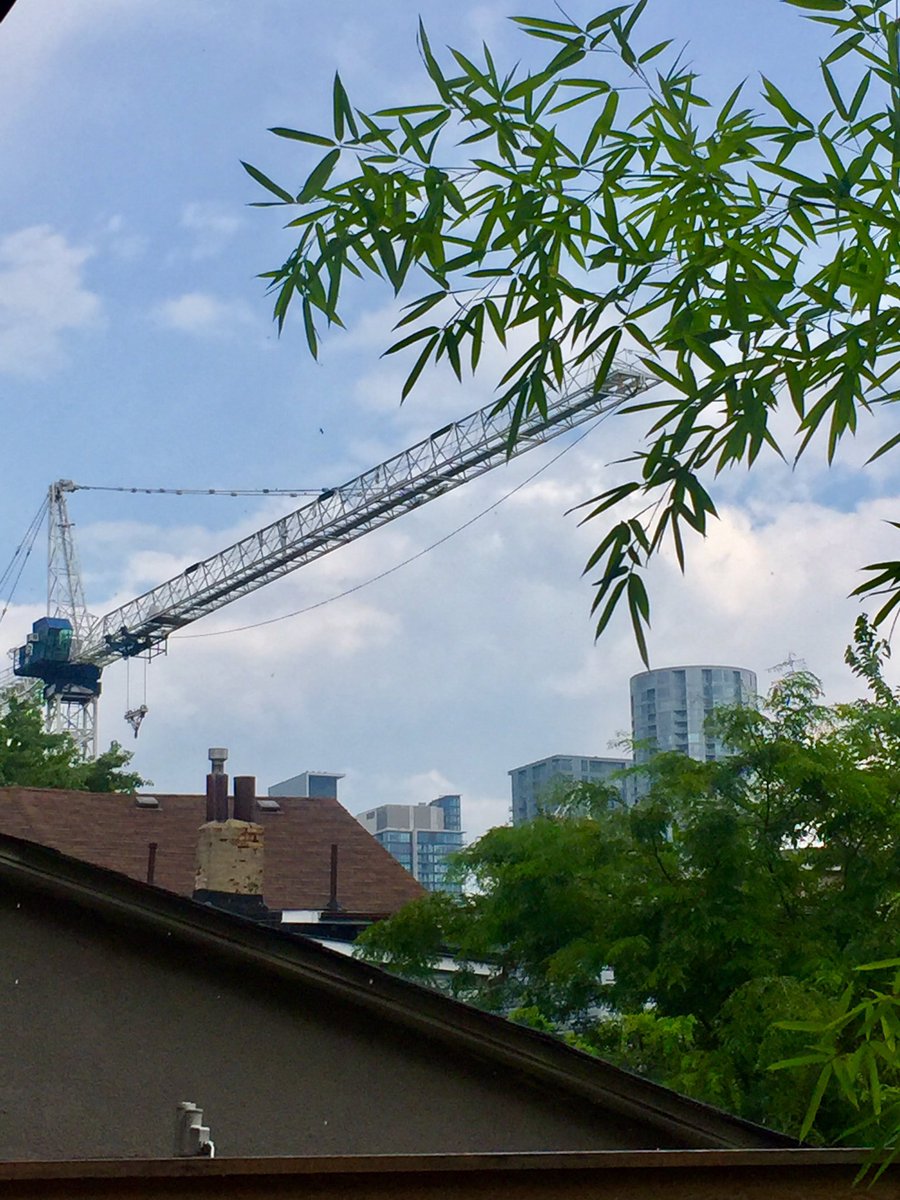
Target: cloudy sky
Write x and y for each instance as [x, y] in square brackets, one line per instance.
[137, 349]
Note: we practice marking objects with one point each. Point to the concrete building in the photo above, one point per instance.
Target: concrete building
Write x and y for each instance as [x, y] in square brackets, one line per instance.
[321, 784]
[669, 708]
[533, 784]
[420, 837]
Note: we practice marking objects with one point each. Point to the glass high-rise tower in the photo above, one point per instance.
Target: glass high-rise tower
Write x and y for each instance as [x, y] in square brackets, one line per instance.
[421, 837]
[669, 708]
[533, 785]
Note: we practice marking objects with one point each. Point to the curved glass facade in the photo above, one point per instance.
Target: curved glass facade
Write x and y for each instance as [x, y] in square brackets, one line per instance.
[669, 708]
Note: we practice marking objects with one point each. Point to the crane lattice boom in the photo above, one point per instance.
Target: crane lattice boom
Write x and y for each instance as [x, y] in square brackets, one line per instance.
[452, 456]
[68, 649]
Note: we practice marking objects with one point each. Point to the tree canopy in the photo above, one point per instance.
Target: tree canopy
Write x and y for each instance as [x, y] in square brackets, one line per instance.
[673, 935]
[746, 251]
[32, 757]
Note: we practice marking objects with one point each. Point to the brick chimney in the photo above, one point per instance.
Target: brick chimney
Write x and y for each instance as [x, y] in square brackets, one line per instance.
[229, 872]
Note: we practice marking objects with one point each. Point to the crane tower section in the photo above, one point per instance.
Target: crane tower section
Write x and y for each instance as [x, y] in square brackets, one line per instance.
[68, 650]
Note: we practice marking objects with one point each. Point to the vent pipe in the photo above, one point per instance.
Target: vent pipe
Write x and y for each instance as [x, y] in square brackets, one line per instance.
[229, 864]
[191, 1135]
[244, 797]
[217, 785]
[152, 847]
[334, 904]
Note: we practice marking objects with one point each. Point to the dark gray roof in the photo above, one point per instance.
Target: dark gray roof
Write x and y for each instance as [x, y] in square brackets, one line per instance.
[516, 1051]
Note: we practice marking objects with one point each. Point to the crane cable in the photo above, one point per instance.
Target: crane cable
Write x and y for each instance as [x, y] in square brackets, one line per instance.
[412, 558]
[15, 568]
[161, 491]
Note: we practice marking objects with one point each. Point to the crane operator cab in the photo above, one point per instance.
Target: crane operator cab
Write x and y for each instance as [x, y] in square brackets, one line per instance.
[46, 655]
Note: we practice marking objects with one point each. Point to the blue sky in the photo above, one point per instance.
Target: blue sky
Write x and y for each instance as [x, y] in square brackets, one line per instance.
[136, 348]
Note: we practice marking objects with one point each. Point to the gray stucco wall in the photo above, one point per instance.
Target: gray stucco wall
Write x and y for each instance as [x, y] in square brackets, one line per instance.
[103, 1031]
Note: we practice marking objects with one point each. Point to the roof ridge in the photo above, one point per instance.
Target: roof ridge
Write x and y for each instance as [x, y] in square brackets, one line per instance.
[295, 958]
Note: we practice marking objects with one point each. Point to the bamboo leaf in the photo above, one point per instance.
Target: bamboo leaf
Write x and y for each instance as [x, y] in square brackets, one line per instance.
[299, 136]
[268, 184]
[819, 5]
[816, 1100]
[318, 177]
[419, 365]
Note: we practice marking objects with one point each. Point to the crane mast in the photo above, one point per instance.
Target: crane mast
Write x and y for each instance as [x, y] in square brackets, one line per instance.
[69, 661]
[67, 710]
[65, 595]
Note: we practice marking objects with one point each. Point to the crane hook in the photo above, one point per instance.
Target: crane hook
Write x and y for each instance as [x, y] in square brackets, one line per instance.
[134, 716]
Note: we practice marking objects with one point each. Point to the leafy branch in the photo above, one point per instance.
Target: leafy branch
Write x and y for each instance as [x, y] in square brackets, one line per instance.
[749, 259]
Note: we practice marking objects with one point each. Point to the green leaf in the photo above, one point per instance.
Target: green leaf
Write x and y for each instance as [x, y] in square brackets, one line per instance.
[419, 365]
[884, 448]
[410, 339]
[606, 18]
[834, 92]
[845, 47]
[782, 104]
[268, 184]
[432, 66]
[318, 177]
[799, 1060]
[654, 51]
[539, 23]
[339, 105]
[639, 609]
[819, 5]
[299, 136]
[816, 1098]
[601, 126]
[410, 110]
[310, 328]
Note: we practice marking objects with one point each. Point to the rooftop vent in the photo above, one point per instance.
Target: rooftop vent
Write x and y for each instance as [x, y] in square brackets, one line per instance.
[218, 755]
[146, 802]
[268, 805]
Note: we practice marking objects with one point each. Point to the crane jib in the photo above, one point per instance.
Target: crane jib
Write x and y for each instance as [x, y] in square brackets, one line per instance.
[447, 458]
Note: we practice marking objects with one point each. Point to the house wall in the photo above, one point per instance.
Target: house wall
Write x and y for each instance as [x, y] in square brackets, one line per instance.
[105, 1029]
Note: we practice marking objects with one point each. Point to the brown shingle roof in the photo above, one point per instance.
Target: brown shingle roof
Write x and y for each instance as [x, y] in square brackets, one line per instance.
[113, 831]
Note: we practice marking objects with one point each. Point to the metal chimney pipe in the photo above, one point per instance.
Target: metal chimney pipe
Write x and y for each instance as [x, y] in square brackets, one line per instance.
[152, 847]
[334, 904]
[217, 785]
[220, 796]
[218, 756]
[244, 797]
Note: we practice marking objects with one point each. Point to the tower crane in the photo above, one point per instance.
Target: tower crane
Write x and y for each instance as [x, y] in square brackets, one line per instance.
[68, 649]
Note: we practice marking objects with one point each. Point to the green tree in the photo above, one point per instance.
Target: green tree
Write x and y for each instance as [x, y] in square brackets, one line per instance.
[857, 1052]
[674, 935]
[32, 757]
[599, 201]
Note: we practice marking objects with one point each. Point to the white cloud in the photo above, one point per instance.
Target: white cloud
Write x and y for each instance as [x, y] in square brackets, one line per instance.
[212, 227]
[124, 244]
[42, 297]
[488, 22]
[202, 314]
